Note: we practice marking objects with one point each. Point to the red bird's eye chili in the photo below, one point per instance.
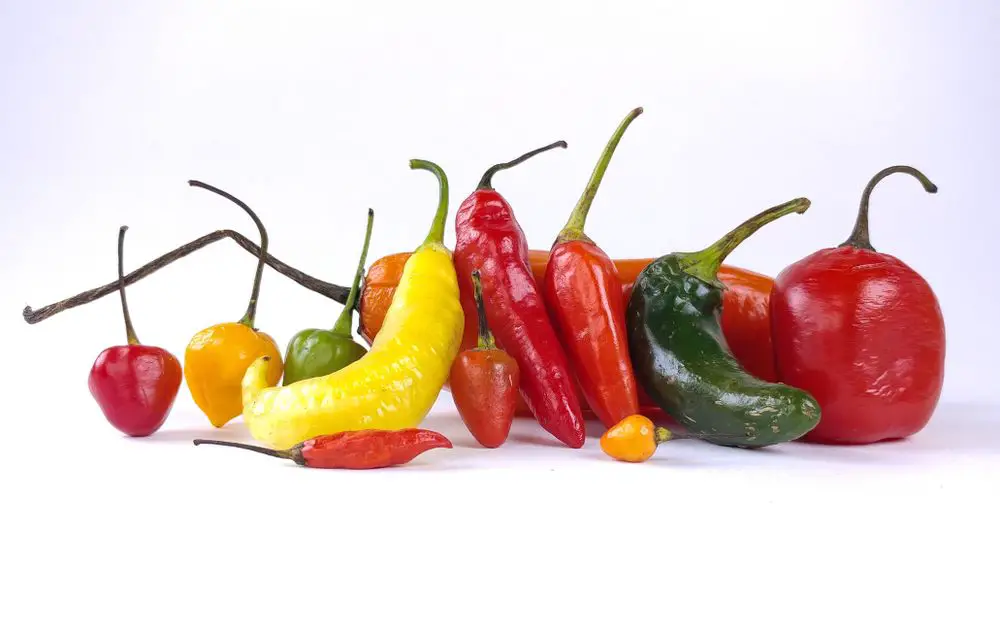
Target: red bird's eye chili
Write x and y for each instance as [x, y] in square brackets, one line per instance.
[353, 450]
[484, 382]
[863, 333]
[584, 296]
[489, 239]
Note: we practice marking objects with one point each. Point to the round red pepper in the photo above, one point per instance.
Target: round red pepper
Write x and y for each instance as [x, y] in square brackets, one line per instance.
[135, 385]
[863, 333]
[484, 382]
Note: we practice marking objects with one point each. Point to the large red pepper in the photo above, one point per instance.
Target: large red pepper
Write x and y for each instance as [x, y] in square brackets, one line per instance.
[863, 333]
[353, 450]
[584, 295]
[135, 385]
[489, 239]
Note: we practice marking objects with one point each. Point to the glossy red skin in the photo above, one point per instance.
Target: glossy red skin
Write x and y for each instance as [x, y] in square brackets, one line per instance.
[863, 333]
[584, 296]
[489, 239]
[135, 386]
[369, 448]
[484, 384]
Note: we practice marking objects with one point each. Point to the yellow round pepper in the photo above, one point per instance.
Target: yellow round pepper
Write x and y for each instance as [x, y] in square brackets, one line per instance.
[395, 384]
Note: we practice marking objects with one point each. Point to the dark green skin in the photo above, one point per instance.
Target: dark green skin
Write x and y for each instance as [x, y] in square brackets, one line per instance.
[682, 360]
[316, 352]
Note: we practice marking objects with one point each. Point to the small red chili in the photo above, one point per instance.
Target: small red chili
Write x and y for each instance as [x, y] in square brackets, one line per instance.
[484, 382]
[355, 450]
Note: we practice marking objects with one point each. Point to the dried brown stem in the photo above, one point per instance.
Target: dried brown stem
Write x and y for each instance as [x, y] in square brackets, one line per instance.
[327, 289]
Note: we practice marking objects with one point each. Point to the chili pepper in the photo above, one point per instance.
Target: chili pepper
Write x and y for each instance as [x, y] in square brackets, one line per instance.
[489, 239]
[683, 362]
[354, 450]
[484, 382]
[863, 333]
[583, 294]
[217, 357]
[395, 384]
[746, 319]
[633, 439]
[135, 385]
[316, 352]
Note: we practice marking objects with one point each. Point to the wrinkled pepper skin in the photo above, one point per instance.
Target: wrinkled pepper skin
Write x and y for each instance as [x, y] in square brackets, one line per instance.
[489, 239]
[746, 320]
[395, 384]
[864, 333]
[353, 450]
[682, 360]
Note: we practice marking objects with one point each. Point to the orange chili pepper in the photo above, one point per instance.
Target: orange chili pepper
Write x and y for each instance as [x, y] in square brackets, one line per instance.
[634, 439]
[217, 357]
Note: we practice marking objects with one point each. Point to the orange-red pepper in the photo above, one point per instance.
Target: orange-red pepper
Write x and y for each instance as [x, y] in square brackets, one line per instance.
[584, 296]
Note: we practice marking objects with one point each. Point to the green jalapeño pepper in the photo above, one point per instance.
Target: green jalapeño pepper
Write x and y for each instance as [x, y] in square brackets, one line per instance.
[683, 362]
[315, 352]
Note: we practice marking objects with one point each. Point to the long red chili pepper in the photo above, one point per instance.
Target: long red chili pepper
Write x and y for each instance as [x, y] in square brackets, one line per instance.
[863, 333]
[583, 293]
[354, 450]
[489, 238]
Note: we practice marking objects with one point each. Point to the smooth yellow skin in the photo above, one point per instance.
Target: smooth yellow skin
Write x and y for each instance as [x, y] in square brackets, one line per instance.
[392, 387]
[633, 439]
[215, 361]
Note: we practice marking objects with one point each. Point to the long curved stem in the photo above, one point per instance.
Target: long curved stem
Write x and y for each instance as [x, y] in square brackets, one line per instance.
[346, 318]
[331, 291]
[486, 182]
[859, 235]
[129, 330]
[574, 226]
[436, 233]
[249, 447]
[705, 264]
[251, 313]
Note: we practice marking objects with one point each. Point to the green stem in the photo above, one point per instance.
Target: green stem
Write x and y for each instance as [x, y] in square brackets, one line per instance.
[705, 264]
[859, 236]
[486, 181]
[574, 226]
[129, 330]
[251, 313]
[662, 434]
[346, 318]
[289, 454]
[436, 234]
[486, 340]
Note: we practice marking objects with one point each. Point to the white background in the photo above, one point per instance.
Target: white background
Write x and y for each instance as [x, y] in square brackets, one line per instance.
[310, 112]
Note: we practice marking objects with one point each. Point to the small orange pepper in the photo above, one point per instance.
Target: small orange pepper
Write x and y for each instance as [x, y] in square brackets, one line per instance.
[217, 357]
[633, 439]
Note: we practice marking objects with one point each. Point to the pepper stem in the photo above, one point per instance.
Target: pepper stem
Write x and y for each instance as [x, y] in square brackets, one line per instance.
[859, 236]
[574, 226]
[251, 313]
[346, 318]
[705, 264]
[486, 181]
[291, 454]
[662, 434]
[129, 330]
[486, 340]
[436, 234]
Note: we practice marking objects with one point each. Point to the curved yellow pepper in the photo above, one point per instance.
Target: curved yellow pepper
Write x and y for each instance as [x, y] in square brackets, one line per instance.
[395, 384]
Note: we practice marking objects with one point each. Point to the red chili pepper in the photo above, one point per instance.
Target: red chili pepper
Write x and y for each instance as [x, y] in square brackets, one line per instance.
[484, 382]
[354, 450]
[583, 293]
[135, 385]
[863, 333]
[489, 239]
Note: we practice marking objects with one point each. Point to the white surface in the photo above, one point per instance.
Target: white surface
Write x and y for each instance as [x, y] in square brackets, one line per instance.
[310, 113]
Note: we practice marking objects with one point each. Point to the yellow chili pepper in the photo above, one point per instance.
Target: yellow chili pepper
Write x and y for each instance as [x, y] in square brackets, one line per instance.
[633, 439]
[217, 357]
[395, 384]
